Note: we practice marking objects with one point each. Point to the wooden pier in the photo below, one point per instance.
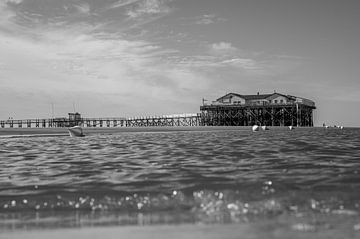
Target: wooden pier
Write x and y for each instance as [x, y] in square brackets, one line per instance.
[179, 120]
[229, 110]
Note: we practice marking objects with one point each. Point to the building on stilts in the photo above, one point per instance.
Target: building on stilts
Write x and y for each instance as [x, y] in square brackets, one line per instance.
[273, 109]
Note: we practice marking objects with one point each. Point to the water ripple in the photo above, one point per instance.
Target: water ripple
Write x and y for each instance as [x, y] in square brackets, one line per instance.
[233, 172]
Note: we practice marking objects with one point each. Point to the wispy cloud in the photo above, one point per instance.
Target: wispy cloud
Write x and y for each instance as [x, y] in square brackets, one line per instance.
[149, 7]
[222, 48]
[70, 52]
[13, 1]
[244, 63]
[210, 63]
[83, 7]
[122, 3]
[208, 19]
[5, 11]
[85, 58]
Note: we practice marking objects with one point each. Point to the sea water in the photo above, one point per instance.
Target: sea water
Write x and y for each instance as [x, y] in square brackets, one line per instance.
[278, 182]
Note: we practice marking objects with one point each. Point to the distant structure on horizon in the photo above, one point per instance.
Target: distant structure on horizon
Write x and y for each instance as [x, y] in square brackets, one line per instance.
[273, 109]
[231, 109]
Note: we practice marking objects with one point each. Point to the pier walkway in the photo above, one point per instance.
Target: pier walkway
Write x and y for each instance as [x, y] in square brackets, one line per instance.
[174, 120]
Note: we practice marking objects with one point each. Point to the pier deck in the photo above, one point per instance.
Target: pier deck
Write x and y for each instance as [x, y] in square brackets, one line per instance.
[181, 120]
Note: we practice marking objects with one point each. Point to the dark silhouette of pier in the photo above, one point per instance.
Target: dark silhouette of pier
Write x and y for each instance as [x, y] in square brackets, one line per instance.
[76, 119]
[232, 109]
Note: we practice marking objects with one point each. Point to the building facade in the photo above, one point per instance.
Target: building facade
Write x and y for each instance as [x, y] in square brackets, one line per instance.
[273, 109]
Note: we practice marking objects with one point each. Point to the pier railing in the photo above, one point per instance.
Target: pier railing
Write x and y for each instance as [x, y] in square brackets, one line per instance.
[259, 104]
[149, 121]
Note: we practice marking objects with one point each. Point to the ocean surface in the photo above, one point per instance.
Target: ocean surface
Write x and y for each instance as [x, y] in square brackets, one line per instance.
[303, 183]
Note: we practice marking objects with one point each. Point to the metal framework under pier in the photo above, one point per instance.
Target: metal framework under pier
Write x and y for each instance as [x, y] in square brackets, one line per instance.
[246, 115]
[182, 120]
[192, 120]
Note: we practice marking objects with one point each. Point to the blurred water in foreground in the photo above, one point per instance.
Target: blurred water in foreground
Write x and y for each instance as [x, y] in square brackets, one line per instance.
[302, 181]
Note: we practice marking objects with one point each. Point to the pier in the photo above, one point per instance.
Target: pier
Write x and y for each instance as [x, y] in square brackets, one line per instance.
[75, 119]
[231, 109]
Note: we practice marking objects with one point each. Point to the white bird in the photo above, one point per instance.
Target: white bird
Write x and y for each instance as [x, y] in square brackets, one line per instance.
[255, 128]
[291, 127]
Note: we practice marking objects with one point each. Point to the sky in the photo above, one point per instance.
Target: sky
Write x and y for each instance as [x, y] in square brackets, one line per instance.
[129, 58]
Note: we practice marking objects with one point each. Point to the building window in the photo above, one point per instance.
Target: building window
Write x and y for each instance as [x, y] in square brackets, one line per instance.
[275, 101]
[281, 101]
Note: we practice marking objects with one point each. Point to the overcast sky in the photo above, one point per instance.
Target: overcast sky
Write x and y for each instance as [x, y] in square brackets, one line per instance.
[154, 57]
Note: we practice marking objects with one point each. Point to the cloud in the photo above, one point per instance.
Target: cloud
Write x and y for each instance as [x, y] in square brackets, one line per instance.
[6, 15]
[222, 48]
[52, 56]
[149, 7]
[122, 3]
[13, 1]
[211, 63]
[208, 19]
[83, 8]
[244, 63]
[84, 57]
[57, 61]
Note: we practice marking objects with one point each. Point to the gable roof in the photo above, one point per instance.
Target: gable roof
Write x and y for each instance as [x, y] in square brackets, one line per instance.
[274, 95]
[228, 94]
[257, 97]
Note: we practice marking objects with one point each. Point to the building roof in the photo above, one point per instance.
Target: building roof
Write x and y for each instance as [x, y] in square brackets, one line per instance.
[253, 97]
[261, 96]
[230, 94]
[257, 97]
